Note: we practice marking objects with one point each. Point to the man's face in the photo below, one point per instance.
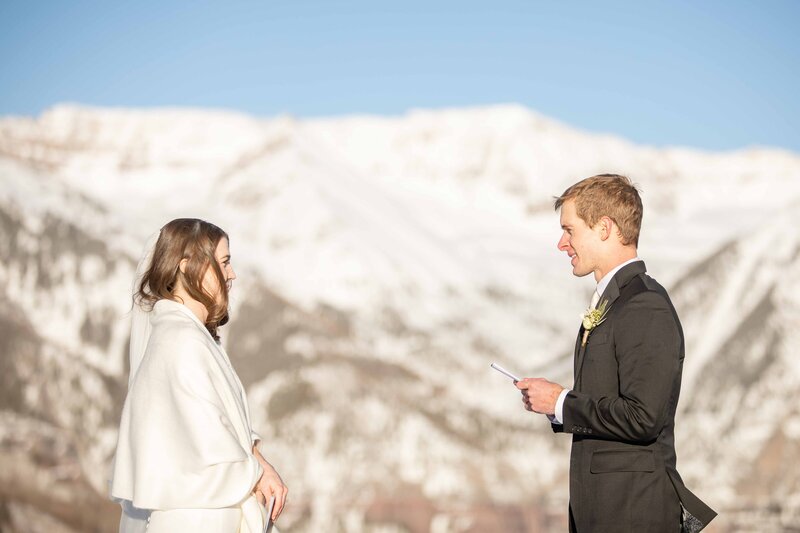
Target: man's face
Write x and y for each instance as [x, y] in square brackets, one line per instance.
[581, 242]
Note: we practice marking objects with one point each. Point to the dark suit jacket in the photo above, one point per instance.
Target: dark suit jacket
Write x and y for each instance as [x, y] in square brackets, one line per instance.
[621, 413]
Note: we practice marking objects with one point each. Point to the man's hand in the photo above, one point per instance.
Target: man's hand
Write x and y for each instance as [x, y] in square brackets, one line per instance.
[539, 395]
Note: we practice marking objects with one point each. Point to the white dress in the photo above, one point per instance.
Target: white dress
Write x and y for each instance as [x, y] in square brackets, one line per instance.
[184, 458]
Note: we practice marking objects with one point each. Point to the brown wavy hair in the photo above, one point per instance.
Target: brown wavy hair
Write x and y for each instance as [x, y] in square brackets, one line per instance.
[196, 241]
[610, 195]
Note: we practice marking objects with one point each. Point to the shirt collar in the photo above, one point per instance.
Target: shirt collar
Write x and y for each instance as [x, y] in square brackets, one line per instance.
[603, 283]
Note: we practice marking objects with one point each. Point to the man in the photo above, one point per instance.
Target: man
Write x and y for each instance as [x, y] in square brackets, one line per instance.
[628, 361]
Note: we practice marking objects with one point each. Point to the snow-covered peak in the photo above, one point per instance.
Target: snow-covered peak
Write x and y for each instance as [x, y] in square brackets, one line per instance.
[383, 263]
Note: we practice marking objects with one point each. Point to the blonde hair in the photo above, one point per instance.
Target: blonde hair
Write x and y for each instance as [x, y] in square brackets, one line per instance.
[608, 195]
[196, 241]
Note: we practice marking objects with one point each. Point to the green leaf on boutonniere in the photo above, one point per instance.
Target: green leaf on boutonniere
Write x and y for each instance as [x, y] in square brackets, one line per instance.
[591, 318]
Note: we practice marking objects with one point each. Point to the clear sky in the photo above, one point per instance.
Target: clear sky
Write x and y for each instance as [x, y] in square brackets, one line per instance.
[709, 74]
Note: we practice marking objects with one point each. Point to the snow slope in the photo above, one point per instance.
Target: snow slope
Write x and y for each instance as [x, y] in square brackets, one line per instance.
[383, 263]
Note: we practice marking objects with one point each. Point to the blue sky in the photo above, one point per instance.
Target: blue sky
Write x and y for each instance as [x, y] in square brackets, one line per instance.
[714, 75]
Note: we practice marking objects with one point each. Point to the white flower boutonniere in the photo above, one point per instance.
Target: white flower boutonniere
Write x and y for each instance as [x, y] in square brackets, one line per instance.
[592, 318]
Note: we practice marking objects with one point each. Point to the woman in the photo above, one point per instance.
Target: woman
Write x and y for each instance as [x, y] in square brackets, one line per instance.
[187, 458]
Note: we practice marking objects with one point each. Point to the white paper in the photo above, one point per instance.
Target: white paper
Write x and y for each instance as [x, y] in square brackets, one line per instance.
[504, 371]
[270, 507]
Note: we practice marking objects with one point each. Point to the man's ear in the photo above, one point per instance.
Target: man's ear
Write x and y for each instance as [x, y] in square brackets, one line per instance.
[182, 265]
[606, 227]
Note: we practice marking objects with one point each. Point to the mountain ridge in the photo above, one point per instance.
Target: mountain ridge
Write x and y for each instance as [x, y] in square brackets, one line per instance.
[390, 260]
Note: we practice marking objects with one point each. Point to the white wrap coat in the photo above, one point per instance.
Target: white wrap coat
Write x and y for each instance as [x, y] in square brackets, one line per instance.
[184, 453]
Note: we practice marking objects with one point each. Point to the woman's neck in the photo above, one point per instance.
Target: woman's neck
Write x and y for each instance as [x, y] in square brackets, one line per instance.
[199, 310]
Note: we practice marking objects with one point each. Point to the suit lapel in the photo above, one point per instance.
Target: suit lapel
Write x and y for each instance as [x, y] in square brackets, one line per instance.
[610, 294]
[577, 355]
[620, 279]
[580, 351]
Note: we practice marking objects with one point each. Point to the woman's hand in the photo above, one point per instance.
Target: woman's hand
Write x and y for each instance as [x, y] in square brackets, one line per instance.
[270, 484]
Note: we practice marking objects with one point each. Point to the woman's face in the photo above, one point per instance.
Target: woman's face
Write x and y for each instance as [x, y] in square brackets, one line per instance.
[223, 256]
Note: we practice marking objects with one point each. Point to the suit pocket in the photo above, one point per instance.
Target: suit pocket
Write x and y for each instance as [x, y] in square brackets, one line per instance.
[598, 337]
[604, 461]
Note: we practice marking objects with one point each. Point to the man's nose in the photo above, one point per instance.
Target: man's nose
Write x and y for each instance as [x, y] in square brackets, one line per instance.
[563, 243]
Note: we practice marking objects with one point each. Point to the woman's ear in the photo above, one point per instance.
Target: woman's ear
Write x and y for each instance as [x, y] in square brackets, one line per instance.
[182, 265]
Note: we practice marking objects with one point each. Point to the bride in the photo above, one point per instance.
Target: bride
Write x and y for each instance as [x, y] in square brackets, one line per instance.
[187, 458]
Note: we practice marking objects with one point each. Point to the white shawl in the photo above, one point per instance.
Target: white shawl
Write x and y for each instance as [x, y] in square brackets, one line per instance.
[185, 440]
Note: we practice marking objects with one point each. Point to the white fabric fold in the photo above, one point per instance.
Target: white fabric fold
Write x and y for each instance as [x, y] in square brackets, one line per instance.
[185, 440]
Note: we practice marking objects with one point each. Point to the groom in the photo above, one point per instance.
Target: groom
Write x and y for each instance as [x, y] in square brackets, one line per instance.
[628, 360]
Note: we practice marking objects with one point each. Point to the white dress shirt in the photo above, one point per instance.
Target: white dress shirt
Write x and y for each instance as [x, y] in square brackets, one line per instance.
[558, 418]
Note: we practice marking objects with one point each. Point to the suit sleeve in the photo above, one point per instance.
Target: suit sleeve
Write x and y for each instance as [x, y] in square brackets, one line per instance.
[648, 348]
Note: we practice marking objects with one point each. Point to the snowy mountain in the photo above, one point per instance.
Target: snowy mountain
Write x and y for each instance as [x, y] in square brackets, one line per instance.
[383, 263]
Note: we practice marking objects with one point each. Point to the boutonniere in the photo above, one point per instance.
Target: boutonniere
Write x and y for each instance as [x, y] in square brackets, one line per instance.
[592, 318]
